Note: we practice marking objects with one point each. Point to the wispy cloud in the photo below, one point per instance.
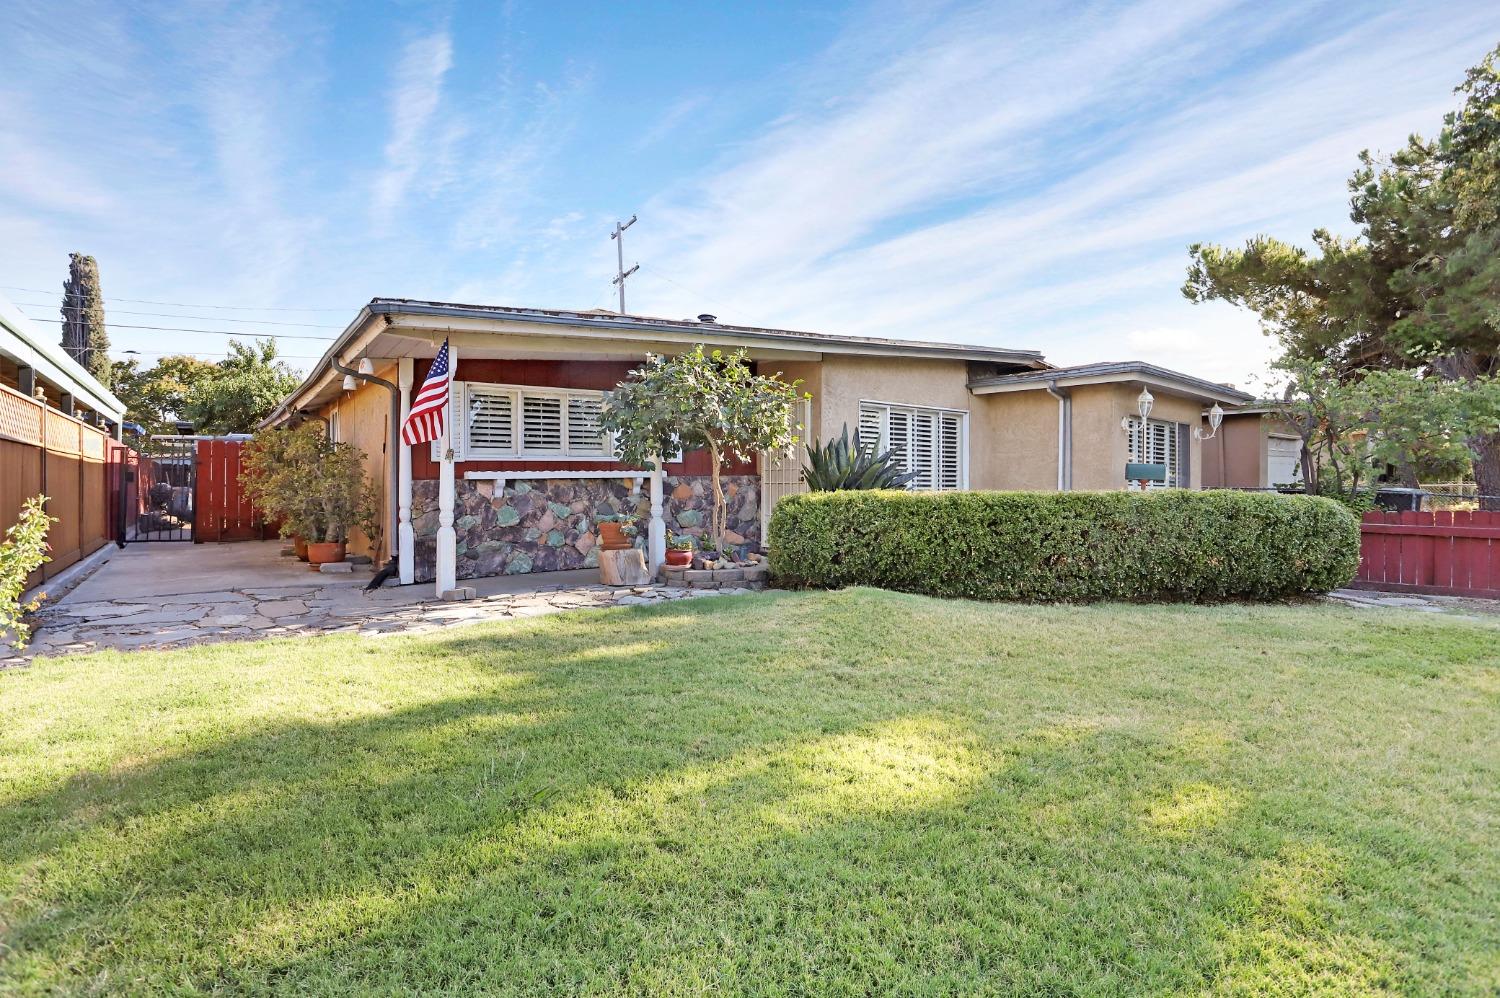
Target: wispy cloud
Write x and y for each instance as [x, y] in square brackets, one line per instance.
[415, 98]
[677, 114]
[1003, 181]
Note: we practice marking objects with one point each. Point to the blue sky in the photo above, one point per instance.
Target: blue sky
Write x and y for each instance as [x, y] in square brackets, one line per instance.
[1024, 175]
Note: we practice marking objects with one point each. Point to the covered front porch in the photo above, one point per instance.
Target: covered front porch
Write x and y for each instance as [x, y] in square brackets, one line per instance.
[523, 476]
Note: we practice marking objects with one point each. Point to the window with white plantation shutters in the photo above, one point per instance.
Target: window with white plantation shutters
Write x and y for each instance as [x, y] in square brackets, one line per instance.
[930, 443]
[871, 425]
[491, 421]
[950, 471]
[584, 433]
[541, 424]
[1165, 443]
[506, 421]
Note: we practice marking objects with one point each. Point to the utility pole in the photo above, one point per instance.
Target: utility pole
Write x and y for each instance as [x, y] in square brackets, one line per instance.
[620, 272]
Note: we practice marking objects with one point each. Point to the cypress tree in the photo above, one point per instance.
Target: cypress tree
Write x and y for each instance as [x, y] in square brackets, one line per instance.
[83, 332]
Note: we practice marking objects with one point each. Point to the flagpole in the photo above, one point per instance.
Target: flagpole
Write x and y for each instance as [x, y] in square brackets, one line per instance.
[447, 539]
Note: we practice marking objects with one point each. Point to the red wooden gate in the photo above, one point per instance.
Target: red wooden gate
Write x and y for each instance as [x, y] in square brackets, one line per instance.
[1453, 553]
[223, 511]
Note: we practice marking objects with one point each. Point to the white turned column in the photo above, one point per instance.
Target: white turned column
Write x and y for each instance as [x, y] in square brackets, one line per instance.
[406, 537]
[447, 540]
[656, 534]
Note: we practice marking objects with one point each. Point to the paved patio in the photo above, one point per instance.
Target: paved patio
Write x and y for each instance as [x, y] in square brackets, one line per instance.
[164, 595]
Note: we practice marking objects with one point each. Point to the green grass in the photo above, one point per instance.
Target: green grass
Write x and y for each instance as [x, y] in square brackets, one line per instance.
[822, 793]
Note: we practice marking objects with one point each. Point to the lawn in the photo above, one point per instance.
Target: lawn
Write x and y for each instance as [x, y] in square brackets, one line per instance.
[823, 793]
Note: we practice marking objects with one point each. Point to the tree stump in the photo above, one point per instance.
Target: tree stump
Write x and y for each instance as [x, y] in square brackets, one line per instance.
[623, 568]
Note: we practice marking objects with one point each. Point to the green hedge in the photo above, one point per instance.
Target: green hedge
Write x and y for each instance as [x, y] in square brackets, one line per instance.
[1167, 545]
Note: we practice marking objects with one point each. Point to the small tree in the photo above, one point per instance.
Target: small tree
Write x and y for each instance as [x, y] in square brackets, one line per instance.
[83, 332]
[317, 489]
[22, 552]
[701, 401]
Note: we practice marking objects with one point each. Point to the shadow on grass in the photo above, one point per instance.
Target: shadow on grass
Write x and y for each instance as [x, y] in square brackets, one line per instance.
[668, 808]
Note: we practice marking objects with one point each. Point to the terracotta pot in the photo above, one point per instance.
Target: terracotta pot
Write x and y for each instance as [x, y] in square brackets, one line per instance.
[679, 558]
[299, 545]
[611, 538]
[324, 552]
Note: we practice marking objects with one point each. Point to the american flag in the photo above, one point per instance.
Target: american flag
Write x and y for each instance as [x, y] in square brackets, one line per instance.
[426, 419]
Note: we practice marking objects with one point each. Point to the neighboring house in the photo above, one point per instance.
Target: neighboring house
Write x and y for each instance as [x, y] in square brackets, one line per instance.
[1255, 448]
[56, 421]
[533, 472]
[33, 363]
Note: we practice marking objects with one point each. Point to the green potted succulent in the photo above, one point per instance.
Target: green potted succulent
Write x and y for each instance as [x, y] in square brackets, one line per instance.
[680, 550]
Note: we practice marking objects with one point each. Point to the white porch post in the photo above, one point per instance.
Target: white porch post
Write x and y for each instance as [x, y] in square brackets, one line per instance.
[406, 539]
[656, 536]
[447, 540]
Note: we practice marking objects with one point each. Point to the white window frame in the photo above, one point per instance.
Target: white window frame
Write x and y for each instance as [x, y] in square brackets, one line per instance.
[886, 408]
[1174, 447]
[465, 451]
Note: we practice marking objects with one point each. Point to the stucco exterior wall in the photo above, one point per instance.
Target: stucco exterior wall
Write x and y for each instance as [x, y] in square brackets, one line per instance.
[1013, 442]
[363, 420]
[1236, 457]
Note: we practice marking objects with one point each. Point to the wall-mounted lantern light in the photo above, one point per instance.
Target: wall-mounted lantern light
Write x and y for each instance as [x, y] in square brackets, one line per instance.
[1215, 418]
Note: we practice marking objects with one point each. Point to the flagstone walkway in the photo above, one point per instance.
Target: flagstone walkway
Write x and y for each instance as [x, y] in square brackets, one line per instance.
[247, 591]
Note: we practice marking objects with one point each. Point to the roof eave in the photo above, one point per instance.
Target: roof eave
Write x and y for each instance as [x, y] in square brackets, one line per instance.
[1170, 381]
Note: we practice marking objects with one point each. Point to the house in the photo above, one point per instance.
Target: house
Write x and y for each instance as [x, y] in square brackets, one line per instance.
[1255, 448]
[58, 433]
[531, 471]
[33, 363]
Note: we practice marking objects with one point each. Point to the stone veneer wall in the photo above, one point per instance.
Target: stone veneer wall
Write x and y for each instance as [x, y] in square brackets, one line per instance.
[547, 525]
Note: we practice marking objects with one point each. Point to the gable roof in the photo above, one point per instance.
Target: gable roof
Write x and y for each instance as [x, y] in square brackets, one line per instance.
[1112, 372]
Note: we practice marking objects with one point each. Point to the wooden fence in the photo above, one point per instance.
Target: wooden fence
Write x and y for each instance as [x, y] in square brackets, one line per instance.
[76, 466]
[222, 510]
[1452, 553]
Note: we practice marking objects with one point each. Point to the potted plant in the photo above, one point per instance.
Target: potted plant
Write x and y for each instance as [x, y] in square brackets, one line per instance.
[680, 550]
[315, 488]
[616, 534]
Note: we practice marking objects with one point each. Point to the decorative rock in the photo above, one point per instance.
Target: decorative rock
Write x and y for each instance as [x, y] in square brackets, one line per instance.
[459, 594]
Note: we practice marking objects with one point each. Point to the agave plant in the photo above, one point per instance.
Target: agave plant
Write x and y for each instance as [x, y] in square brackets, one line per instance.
[842, 464]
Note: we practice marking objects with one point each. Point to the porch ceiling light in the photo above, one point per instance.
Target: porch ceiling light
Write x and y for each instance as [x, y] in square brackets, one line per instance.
[366, 366]
[350, 382]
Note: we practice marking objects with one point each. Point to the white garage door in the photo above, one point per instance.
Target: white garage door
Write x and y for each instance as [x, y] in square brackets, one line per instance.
[1283, 460]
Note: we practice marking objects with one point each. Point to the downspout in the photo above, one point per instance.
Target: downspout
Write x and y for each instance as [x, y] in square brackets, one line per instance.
[1064, 435]
[392, 453]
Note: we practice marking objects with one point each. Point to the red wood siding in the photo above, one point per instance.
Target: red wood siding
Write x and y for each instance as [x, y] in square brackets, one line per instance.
[596, 375]
[1454, 553]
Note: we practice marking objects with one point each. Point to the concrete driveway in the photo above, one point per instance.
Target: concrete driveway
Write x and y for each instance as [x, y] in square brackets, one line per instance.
[166, 594]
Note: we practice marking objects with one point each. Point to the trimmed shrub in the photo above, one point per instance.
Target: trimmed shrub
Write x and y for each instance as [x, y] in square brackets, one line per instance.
[1068, 546]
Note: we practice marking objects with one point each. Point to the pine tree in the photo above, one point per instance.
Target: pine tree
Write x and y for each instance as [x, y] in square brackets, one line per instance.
[83, 332]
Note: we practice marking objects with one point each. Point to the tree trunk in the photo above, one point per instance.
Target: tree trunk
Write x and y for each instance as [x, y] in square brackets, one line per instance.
[1487, 470]
[717, 521]
[1485, 449]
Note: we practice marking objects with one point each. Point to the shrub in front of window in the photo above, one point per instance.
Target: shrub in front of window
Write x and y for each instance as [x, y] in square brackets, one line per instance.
[1068, 546]
[845, 465]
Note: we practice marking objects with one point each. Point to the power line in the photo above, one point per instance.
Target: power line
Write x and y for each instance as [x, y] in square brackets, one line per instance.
[213, 332]
[202, 318]
[206, 353]
[180, 304]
